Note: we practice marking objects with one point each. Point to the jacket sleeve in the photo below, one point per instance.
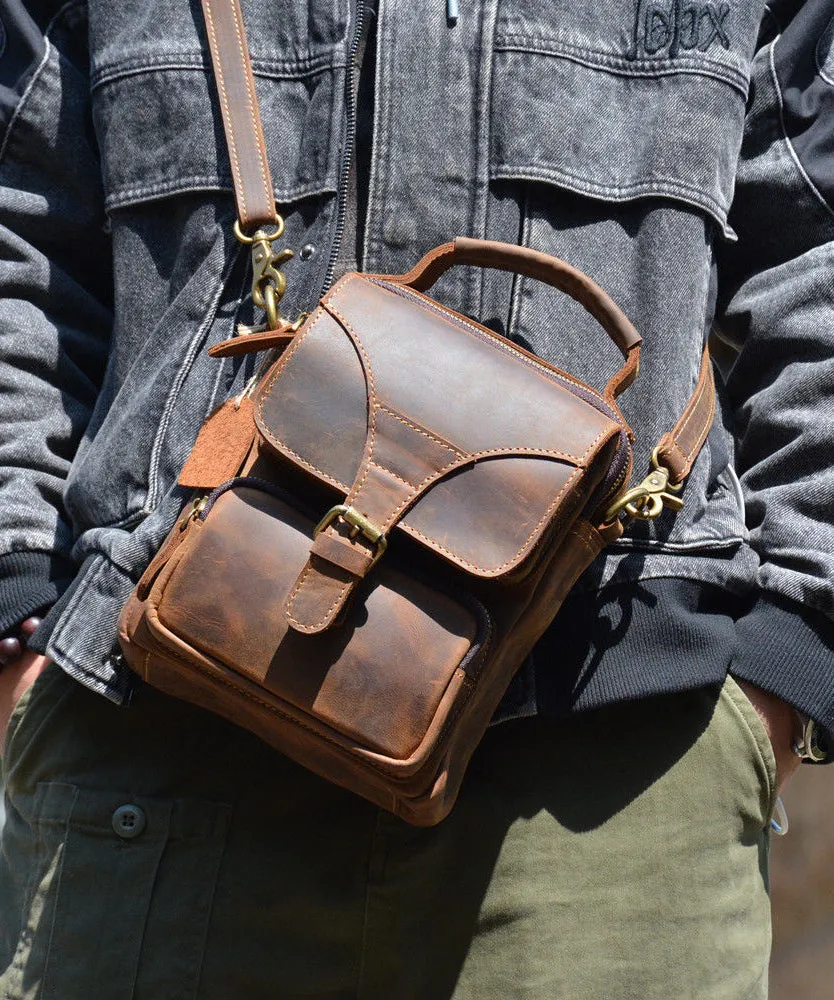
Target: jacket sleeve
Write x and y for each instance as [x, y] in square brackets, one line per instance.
[55, 292]
[777, 303]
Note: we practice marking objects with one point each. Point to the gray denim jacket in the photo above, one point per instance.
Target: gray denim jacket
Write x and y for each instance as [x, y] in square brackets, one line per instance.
[675, 150]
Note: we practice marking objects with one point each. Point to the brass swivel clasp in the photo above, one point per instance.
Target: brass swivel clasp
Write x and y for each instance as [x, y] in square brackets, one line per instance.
[650, 498]
[269, 283]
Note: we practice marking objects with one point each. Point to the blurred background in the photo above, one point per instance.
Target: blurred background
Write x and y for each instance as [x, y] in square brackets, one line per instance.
[802, 890]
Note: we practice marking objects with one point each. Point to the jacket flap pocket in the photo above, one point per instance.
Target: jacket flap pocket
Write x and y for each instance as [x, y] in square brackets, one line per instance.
[157, 112]
[429, 420]
[655, 108]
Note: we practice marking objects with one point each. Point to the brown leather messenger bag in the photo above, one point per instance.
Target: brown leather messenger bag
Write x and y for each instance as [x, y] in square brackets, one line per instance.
[379, 537]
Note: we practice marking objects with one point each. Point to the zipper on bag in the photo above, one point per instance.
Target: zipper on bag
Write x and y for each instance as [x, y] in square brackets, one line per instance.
[202, 508]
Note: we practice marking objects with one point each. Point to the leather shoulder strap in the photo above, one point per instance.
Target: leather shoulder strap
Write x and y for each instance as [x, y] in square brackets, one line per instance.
[679, 448]
[241, 119]
[676, 451]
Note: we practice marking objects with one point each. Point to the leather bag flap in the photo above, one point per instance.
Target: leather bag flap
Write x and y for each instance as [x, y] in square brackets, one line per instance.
[427, 419]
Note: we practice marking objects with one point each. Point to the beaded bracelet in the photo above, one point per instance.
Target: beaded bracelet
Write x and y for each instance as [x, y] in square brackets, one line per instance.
[13, 644]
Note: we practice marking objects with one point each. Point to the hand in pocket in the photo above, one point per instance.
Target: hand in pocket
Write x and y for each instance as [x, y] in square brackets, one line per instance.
[15, 680]
[779, 720]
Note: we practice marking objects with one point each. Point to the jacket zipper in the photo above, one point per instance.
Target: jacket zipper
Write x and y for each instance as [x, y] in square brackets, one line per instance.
[350, 143]
[620, 463]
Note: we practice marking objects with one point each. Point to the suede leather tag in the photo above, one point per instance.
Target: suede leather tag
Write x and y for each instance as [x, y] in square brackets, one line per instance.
[221, 446]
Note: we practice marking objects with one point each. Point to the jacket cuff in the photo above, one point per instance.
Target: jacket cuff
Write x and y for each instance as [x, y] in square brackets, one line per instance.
[788, 649]
[28, 581]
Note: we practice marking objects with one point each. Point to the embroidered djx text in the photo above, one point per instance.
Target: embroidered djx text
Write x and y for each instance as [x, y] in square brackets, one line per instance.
[675, 26]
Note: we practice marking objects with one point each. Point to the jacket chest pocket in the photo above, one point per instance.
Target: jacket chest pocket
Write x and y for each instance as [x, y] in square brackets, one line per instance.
[156, 110]
[179, 274]
[621, 102]
[625, 168]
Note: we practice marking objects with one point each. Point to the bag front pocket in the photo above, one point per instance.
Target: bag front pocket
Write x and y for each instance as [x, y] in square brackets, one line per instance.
[383, 682]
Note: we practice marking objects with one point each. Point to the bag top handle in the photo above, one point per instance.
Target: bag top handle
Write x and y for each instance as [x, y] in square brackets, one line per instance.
[522, 260]
[555, 272]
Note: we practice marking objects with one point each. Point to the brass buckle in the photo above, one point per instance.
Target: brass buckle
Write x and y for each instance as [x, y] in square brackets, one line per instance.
[268, 282]
[650, 498]
[359, 525]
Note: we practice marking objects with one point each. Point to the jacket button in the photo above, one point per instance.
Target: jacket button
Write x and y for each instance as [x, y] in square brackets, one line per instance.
[307, 251]
[129, 821]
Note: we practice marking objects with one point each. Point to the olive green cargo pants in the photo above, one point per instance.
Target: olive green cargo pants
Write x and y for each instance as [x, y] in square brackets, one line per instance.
[157, 853]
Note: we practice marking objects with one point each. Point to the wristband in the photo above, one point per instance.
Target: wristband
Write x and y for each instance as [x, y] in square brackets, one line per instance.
[809, 746]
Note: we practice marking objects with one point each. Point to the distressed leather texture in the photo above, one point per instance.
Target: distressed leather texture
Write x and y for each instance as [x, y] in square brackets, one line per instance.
[239, 108]
[222, 445]
[480, 482]
[487, 472]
